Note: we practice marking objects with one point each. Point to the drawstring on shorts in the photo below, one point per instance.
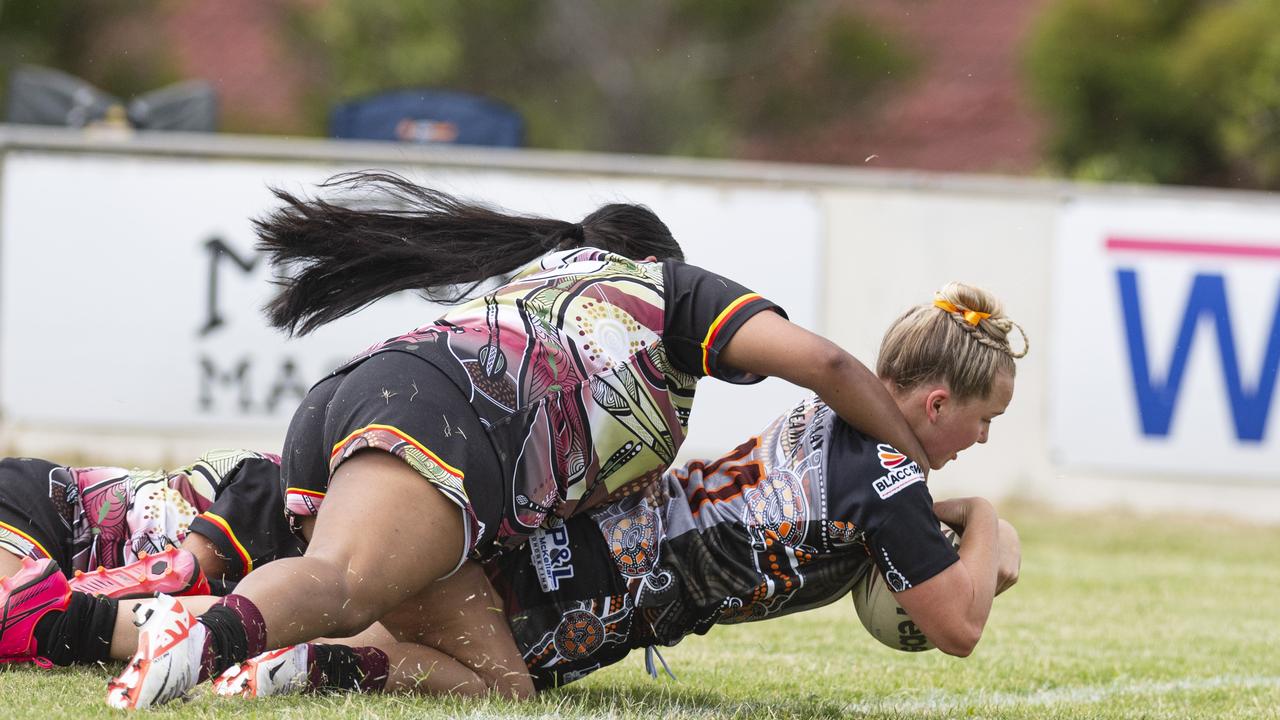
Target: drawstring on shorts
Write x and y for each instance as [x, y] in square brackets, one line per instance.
[651, 668]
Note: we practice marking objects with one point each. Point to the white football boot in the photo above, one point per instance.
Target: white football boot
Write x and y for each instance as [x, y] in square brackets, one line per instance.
[275, 672]
[167, 664]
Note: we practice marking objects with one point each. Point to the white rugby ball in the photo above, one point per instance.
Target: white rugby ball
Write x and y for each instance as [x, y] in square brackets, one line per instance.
[881, 614]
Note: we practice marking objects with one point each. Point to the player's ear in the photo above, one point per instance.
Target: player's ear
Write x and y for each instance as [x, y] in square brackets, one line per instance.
[936, 401]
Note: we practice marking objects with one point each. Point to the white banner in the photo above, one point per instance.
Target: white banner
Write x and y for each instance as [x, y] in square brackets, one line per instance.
[130, 292]
[1166, 337]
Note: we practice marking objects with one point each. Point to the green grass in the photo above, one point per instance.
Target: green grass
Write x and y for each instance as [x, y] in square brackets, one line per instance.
[1113, 618]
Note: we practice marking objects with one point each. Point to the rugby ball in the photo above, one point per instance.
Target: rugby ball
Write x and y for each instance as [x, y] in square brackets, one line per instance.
[881, 614]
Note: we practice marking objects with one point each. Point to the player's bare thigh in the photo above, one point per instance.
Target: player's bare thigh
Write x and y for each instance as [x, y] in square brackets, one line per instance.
[212, 563]
[9, 564]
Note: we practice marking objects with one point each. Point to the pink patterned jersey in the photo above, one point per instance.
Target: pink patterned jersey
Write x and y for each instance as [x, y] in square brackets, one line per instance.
[104, 516]
[582, 370]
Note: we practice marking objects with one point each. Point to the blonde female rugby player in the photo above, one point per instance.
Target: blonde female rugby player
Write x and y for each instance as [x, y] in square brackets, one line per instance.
[787, 521]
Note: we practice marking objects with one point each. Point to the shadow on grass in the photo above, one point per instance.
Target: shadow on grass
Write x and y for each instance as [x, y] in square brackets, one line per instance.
[667, 701]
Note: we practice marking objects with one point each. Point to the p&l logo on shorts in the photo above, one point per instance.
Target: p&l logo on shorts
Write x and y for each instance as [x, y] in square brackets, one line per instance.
[551, 556]
[902, 472]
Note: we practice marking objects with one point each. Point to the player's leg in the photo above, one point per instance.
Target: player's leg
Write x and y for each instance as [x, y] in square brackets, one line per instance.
[10, 563]
[451, 639]
[396, 481]
[461, 621]
[347, 580]
[130, 613]
[341, 586]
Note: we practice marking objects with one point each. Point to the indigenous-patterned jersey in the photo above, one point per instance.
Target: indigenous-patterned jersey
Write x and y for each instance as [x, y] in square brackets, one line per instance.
[787, 521]
[582, 370]
[84, 518]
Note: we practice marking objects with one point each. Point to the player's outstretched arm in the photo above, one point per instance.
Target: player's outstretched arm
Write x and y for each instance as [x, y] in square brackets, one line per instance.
[769, 344]
[952, 607]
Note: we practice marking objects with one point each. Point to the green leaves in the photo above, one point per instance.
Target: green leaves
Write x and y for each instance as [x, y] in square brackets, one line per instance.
[1176, 92]
[694, 77]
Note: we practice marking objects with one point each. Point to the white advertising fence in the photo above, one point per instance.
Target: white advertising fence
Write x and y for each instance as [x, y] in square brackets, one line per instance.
[131, 294]
[131, 331]
[1166, 316]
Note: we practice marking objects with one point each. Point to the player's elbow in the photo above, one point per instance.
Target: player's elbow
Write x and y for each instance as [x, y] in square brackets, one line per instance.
[830, 363]
[959, 641]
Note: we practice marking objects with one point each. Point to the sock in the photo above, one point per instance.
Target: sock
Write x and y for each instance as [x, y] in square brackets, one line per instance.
[237, 632]
[79, 634]
[339, 667]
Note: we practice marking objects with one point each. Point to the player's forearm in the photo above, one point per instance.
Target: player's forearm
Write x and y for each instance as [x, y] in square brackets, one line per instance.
[768, 344]
[979, 554]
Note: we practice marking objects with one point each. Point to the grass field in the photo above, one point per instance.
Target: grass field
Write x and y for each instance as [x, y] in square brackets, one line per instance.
[1113, 618]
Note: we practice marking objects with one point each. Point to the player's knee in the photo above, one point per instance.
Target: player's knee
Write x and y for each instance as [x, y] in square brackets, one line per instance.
[364, 601]
[347, 609]
[512, 685]
[356, 614]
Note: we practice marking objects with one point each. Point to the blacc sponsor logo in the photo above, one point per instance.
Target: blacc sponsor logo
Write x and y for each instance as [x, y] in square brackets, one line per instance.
[551, 556]
[902, 472]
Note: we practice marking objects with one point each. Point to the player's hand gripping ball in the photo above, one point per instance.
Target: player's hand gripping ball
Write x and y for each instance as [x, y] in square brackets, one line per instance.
[883, 617]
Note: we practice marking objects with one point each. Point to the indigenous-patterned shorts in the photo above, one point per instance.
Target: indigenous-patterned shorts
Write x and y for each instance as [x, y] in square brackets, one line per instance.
[566, 603]
[398, 403]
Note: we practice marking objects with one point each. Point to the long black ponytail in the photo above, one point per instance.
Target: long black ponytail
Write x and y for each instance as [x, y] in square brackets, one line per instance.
[334, 258]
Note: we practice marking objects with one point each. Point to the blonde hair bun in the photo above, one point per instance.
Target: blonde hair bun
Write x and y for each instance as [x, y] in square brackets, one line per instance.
[962, 337]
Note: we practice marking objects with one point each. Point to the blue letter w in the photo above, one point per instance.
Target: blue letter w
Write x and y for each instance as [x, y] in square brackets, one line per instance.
[1156, 400]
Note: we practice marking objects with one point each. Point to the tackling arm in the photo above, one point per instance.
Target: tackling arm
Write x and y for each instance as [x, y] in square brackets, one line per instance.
[769, 344]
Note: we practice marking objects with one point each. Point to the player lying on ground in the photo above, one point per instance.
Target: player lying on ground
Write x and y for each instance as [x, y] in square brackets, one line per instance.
[54, 517]
[570, 381]
[74, 541]
[789, 520]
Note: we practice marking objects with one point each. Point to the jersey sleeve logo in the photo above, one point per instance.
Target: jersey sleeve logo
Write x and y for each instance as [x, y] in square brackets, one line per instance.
[890, 459]
[902, 472]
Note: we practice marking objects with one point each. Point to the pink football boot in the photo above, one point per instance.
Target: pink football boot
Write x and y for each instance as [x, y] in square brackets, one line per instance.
[172, 572]
[36, 589]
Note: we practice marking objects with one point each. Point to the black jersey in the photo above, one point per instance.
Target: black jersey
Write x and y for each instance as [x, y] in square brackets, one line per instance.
[787, 521]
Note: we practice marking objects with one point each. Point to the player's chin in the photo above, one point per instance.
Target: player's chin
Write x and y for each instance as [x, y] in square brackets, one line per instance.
[939, 464]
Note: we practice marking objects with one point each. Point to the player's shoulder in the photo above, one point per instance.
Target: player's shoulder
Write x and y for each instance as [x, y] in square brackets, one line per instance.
[864, 469]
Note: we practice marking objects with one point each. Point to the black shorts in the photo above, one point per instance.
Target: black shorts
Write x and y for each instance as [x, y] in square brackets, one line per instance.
[35, 516]
[567, 604]
[246, 522]
[399, 403]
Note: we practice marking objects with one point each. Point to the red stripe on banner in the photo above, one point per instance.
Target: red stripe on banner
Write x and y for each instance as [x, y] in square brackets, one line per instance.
[1191, 247]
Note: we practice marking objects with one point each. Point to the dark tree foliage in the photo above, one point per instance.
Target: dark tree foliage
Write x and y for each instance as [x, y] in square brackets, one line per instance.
[660, 76]
[66, 35]
[1175, 91]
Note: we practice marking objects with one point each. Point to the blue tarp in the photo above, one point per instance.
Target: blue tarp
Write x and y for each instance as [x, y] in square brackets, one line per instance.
[428, 116]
